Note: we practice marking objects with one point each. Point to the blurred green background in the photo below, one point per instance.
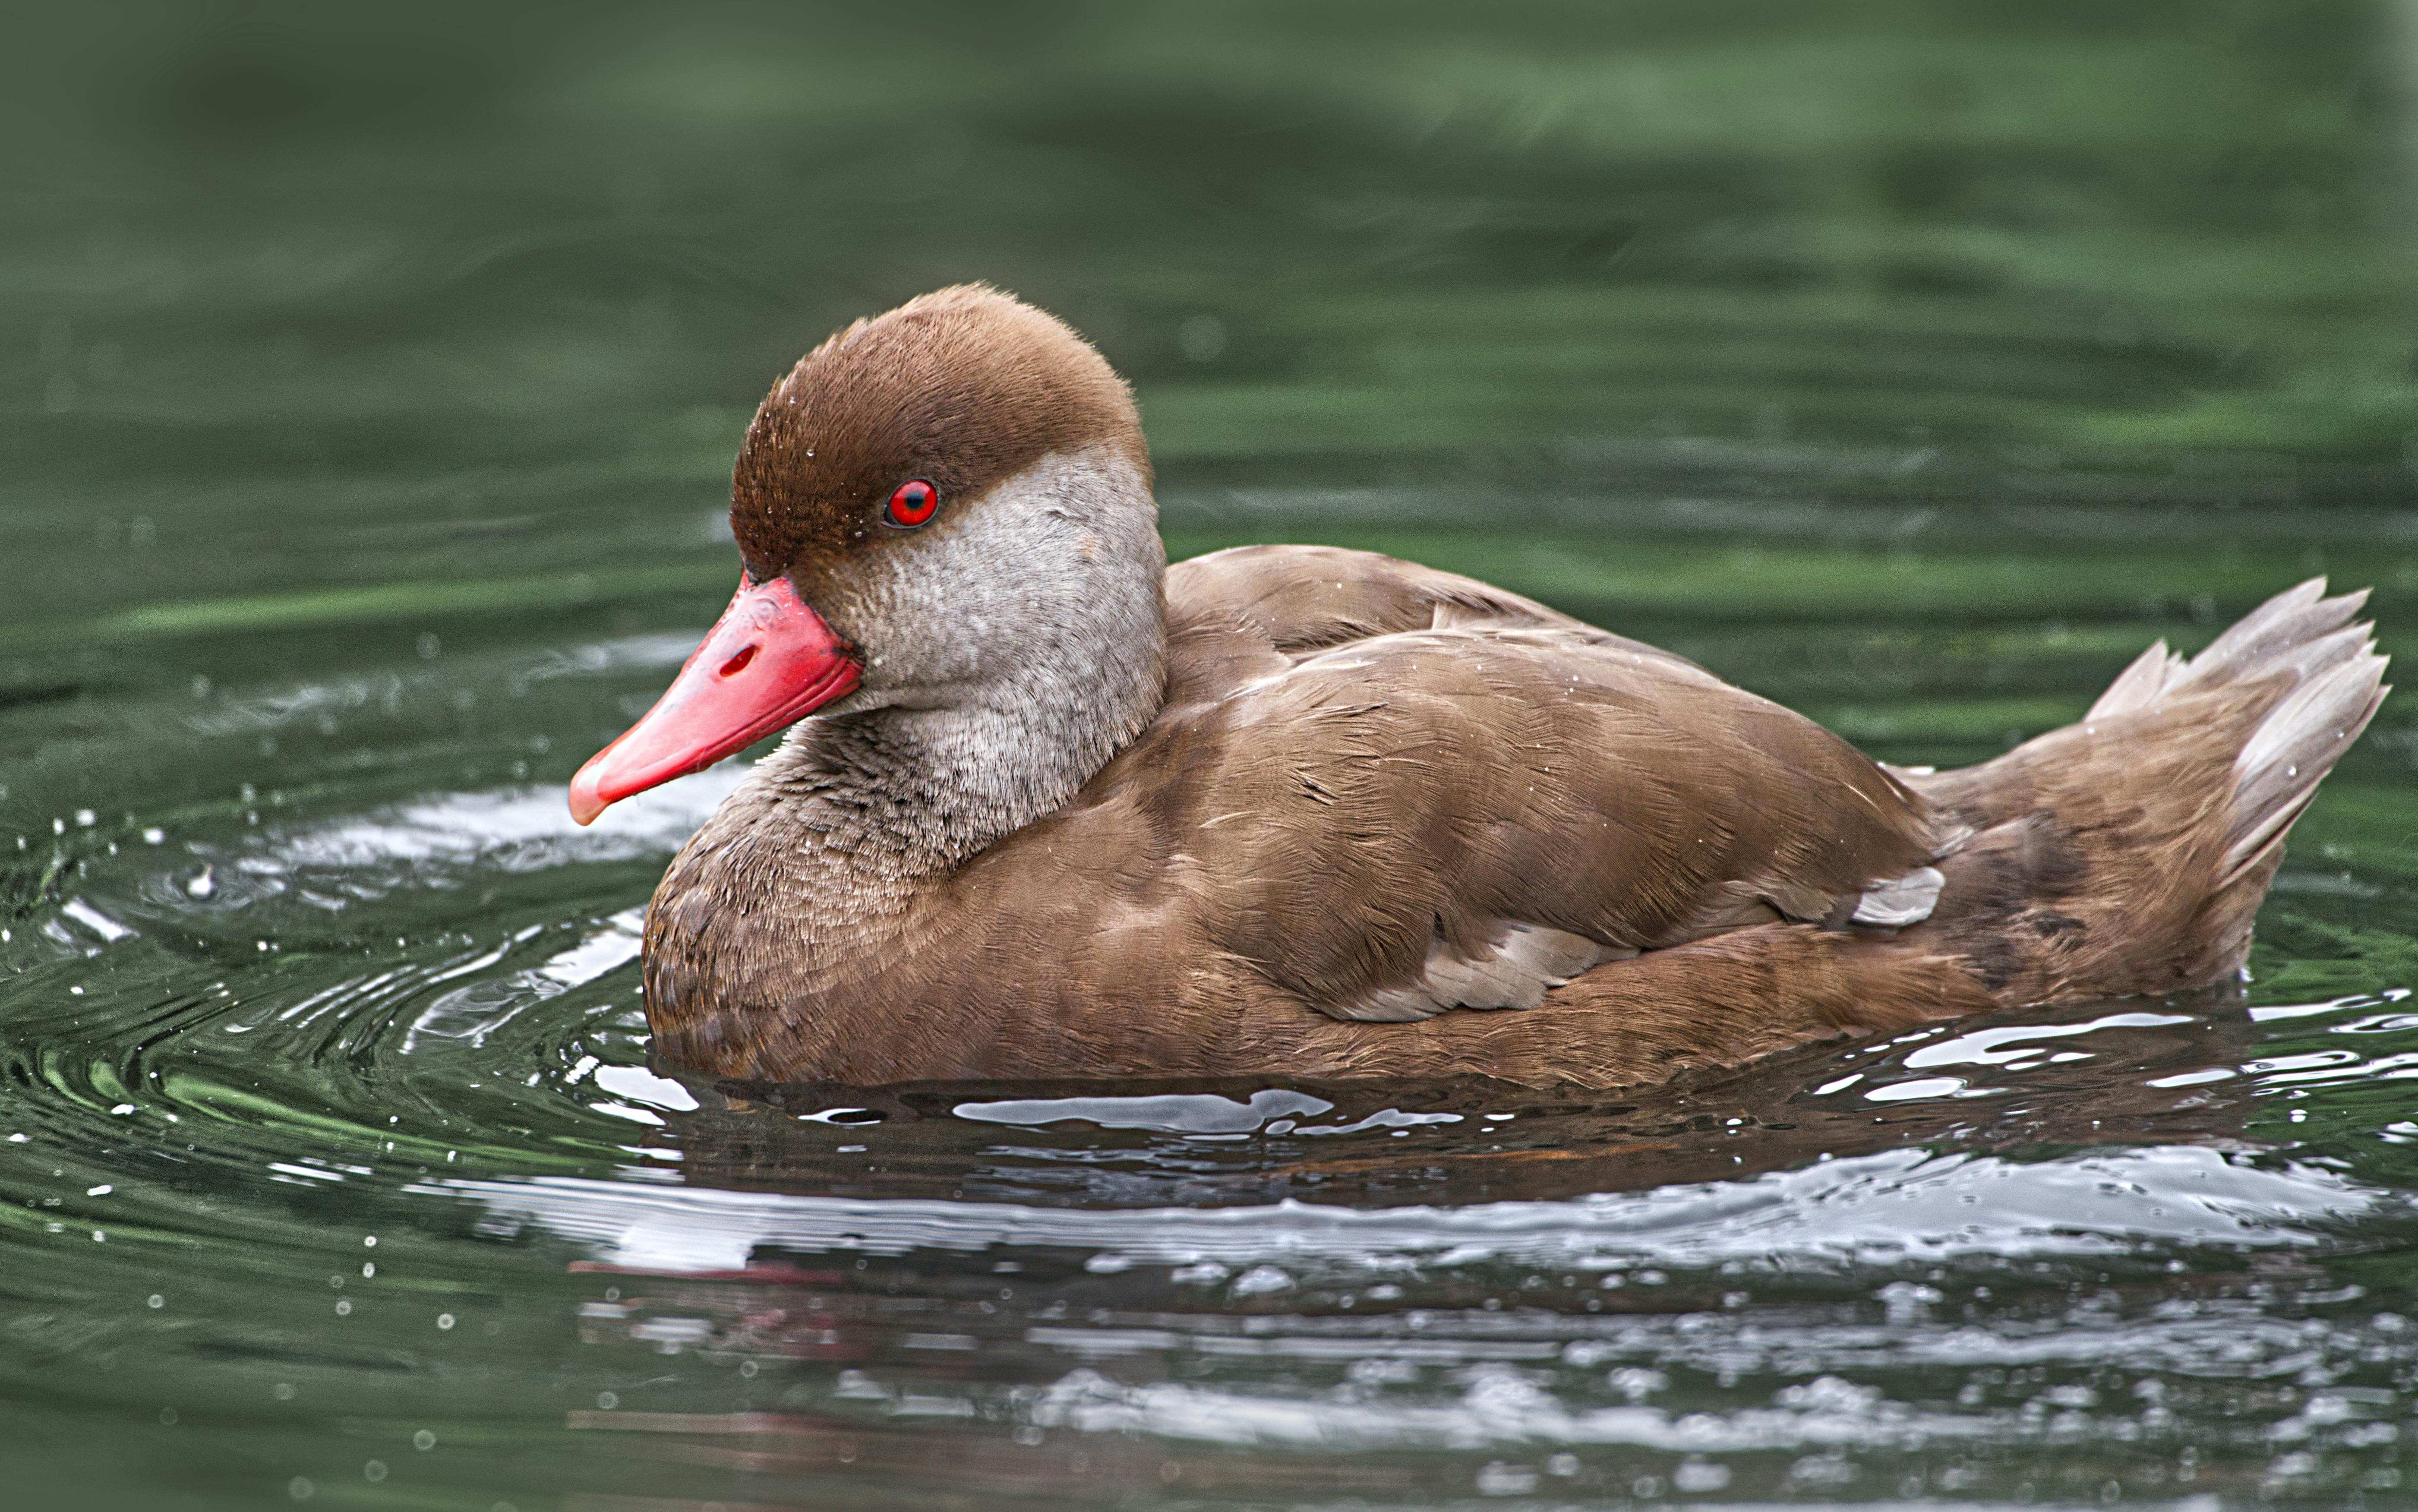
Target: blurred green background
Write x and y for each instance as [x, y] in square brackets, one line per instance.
[294, 297]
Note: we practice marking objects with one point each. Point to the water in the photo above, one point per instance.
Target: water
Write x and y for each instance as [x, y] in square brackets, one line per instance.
[368, 401]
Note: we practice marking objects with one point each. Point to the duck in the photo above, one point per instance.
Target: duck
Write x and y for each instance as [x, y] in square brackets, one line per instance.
[1049, 808]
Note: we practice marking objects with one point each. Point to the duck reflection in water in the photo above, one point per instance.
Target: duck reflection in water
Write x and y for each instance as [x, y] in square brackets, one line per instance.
[2115, 1071]
[1069, 1259]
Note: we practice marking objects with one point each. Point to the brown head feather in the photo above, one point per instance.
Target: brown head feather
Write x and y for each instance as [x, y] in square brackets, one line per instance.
[963, 387]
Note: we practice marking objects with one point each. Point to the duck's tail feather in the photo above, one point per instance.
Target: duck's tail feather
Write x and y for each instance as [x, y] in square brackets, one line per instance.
[2127, 853]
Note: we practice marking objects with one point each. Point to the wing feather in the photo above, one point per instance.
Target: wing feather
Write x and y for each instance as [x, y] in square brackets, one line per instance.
[1436, 794]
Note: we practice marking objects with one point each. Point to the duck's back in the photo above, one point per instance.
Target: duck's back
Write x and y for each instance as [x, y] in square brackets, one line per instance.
[1414, 792]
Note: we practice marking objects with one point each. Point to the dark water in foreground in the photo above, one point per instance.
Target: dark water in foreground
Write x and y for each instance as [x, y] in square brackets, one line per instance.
[333, 1163]
[368, 396]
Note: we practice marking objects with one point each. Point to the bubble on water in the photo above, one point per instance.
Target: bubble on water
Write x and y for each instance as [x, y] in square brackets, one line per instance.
[299, 1488]
[444, 1320]
[423, 1440]
[154, 1301]
[608, 1399]
[373, 1470]
[1495, 1479]
[1260, 1280]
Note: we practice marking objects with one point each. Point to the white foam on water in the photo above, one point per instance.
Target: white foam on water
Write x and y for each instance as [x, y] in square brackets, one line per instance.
[109, 929]
[638, 1085]
[1498, 1408]
[518, 829]
[614, 945]
[1886, 1207]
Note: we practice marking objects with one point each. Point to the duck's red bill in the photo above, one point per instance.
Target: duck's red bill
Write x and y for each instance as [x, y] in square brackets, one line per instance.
[769, 662]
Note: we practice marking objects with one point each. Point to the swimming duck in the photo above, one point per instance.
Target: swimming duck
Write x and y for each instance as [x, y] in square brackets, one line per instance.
[1050, 807]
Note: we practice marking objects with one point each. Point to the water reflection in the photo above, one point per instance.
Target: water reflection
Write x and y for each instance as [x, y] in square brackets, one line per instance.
[1816, 1277]
[2091, 1074]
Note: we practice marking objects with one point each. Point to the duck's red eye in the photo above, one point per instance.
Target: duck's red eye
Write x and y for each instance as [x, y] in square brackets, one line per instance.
[915, 502]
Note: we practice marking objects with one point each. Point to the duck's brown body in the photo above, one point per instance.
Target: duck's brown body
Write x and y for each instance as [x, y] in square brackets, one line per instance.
[1353, 818]
[1361, 763]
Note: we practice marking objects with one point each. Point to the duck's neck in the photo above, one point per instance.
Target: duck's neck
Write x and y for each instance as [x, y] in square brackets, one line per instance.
[893, 794]
[974, 725]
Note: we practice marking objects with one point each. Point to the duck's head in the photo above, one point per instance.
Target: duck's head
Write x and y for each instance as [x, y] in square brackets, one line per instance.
[947, 507]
